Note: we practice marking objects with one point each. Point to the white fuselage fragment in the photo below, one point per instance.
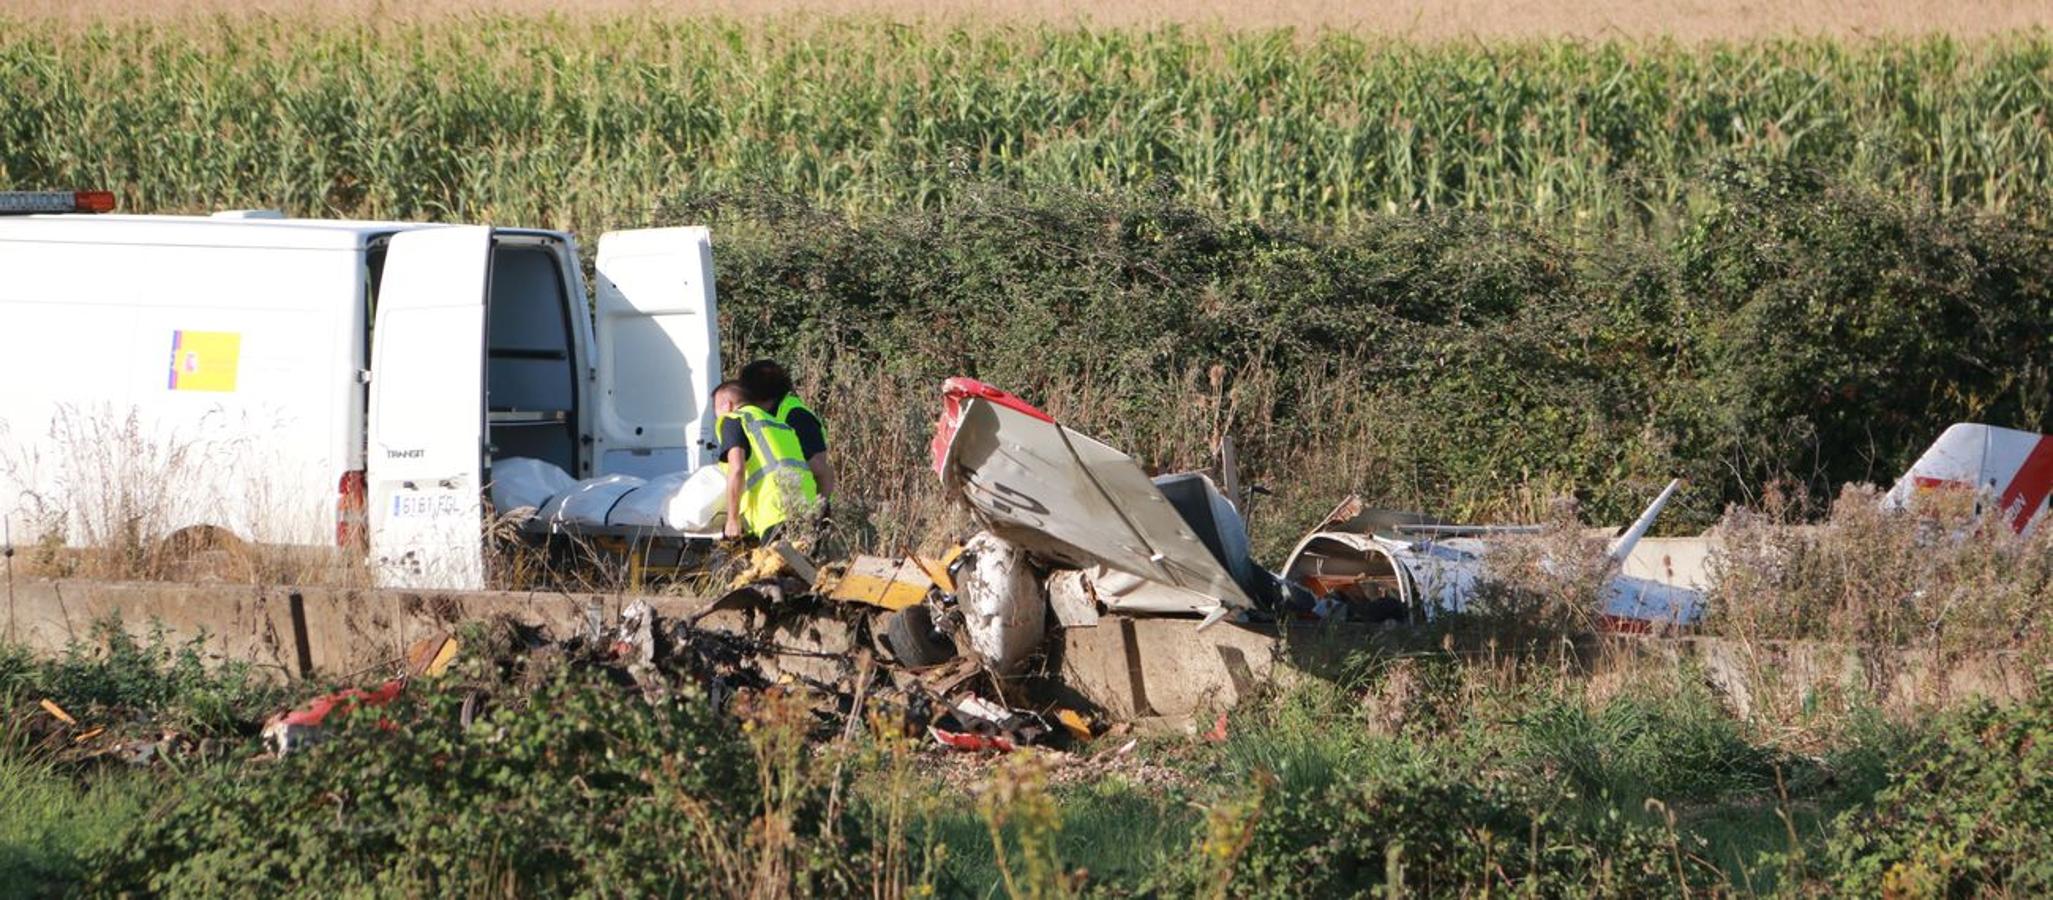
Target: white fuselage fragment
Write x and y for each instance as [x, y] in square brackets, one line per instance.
[1069, 498]
[1003, 610]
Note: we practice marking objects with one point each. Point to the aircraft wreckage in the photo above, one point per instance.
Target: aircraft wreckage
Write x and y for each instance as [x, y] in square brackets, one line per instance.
[1113, 538]
[1074, 535]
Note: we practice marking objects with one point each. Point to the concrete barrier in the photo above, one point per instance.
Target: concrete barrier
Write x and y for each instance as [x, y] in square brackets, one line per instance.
[296, 631]
[1128, 668]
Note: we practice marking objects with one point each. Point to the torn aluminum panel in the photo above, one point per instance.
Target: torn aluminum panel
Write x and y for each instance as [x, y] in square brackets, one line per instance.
[1074, 500]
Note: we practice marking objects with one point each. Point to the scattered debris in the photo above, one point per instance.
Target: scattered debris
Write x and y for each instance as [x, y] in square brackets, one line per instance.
[51, 707]
[978, 725]
[796, 561]
[763, 564]
[1065, 497]
[1071, 534]
[295, 730]
[431, 656]
[1110, 537]
[1078, 727]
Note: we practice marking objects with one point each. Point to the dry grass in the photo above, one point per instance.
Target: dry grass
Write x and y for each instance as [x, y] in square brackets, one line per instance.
[1688, 20]
[106, 495]
[1946, 579]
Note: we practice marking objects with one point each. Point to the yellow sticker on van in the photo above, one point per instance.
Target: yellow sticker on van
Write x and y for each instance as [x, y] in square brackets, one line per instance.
[204, 360]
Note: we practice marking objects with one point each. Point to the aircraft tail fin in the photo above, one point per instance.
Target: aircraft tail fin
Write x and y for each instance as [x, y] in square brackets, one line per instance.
[2009, 468]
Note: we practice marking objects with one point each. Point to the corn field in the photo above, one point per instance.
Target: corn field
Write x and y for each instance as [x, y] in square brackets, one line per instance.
[592, 121]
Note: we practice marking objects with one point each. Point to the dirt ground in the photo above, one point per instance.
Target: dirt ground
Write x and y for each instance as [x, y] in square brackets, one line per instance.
[1688, 20]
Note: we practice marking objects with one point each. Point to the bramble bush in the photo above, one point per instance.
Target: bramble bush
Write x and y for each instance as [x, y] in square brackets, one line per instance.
[1968, 811]
[175, 683]
[583, 788]
[1428, 826]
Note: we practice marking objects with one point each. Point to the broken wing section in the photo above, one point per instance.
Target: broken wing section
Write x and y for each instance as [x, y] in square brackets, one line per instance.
[1069, 498]
[1635, 604]
[1394, 566]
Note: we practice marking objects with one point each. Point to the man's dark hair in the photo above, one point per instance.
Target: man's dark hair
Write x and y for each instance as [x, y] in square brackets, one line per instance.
[765, 383]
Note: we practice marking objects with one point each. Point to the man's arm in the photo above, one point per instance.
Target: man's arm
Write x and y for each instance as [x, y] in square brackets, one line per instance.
[737, 473]
[734, 453]
[812, 442]
[823, 473]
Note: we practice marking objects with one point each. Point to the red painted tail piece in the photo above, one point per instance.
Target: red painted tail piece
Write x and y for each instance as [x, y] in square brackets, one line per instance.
[2008, 468]
[956, 393]
[342, 702]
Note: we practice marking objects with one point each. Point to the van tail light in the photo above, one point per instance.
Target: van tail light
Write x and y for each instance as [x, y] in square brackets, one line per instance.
[92, 201]
[349, 510]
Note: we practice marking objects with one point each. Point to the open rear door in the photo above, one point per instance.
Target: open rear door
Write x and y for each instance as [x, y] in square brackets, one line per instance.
[659, 350]
[426, 448]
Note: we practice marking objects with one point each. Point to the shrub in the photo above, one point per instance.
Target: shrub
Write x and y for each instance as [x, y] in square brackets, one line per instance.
[1425, 826]
[1673, 744]
[585, 788]
[1951, 580]
[173, 682]
[1439, 358]
[1836, 329]
[1969, 812]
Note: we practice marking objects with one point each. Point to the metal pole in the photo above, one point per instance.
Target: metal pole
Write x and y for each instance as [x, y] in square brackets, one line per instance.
[7, 552]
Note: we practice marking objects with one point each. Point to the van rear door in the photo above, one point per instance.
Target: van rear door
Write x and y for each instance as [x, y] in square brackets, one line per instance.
[659, 350]
[425, 455]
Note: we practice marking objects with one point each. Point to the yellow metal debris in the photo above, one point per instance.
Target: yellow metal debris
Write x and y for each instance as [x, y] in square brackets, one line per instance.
[431, 656]
[892, 584]
[443, 657]
[1078, 726]
[937, 569]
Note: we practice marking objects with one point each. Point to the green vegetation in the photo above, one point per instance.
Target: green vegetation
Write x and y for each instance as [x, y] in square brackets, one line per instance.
[1801, 331]
[1460, 277]
[51, 822]
[1441, 772]
[1970, 814]
[580, 785]
[58, 806]
[1463, 277]
[585, 121]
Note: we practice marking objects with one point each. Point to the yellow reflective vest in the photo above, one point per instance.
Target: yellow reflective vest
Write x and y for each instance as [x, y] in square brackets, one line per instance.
[777, 482]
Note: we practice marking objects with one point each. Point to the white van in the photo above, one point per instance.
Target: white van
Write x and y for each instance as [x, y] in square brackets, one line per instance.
[280, 378]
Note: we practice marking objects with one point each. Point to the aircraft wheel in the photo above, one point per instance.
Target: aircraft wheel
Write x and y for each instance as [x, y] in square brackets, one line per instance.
[912, 637]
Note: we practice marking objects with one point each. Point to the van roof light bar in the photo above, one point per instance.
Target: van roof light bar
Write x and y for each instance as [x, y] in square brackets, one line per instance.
[28, 202]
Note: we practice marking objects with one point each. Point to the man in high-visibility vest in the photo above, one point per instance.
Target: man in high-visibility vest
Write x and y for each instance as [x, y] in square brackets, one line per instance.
[773, 449]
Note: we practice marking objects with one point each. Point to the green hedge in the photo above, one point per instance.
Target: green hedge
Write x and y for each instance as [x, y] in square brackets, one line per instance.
[1800, 330]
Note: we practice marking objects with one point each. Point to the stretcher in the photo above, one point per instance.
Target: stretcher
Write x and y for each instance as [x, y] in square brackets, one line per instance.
[657, 527]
